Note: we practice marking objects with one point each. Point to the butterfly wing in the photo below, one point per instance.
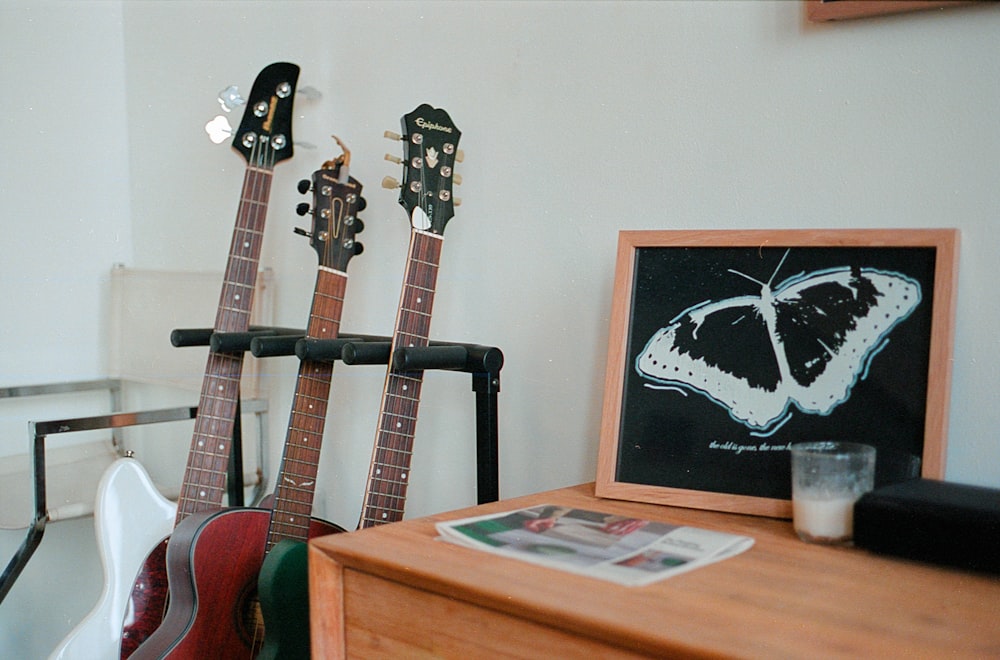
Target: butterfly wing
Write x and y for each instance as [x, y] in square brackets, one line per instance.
[721, 350]
[832, 323]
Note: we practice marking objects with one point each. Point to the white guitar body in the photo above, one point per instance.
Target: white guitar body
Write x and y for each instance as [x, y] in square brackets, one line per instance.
[130, 518]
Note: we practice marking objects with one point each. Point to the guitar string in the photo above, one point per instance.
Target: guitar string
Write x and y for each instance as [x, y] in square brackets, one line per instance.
[312, 386]
[397, 447]
[205, 490]
[296, 500]
[402, 449]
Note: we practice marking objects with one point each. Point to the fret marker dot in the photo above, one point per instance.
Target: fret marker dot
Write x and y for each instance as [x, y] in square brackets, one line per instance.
[221, 388]
[420, 300]
[201, 494]
[378, 471]
[403, 475]
[236, 297]
[399, 425]
[201, 443]
[246, 244]
[385, 515]
[406, 387]
[221, 447]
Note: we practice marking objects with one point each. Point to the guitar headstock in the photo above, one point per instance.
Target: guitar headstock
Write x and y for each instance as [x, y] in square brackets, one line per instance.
[337, 201]
[265, 133]
[430, 151]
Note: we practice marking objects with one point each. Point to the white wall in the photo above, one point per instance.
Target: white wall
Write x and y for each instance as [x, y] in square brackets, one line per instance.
[64, 219]
[578, 119]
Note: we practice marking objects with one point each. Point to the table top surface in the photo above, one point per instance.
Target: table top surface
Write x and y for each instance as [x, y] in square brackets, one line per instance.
[781, 597]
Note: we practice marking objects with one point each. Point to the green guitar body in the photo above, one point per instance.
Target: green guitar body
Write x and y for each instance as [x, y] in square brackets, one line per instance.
[283, 589]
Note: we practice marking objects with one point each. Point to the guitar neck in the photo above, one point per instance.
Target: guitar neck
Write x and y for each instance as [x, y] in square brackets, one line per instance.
[296, 481]
[204, 481]
[388, 475]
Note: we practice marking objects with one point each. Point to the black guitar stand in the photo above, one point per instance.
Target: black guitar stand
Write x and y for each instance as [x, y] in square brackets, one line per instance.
[482, 362]
[228, 342]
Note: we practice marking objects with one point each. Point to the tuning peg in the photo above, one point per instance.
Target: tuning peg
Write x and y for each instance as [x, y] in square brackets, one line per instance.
[302, 208]
[359, 225]
[390, 135]
[391, 183]
[459, 156]
[219, 129]
[358, 248]
[362, 204]
[456, 201]
[457, 178]
[302, 232]
[304, 185]
[394, 159]
[230, 98]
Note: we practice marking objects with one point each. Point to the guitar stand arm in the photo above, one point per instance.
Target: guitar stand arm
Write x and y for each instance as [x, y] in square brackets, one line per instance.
[483, 362]
[226, 342]
[231, 342]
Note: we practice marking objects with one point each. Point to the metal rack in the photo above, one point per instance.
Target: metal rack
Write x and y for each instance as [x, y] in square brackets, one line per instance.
[40, 432]
[483, 363]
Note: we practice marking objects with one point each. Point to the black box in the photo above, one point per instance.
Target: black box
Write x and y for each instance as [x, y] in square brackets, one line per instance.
[933, 521]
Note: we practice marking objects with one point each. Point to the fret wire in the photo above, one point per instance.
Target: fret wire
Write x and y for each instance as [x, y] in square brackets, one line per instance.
[212, 438]
[300, 458]
[401, 395]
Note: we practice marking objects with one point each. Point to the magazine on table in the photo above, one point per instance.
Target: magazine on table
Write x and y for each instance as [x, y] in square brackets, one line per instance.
[620, 549]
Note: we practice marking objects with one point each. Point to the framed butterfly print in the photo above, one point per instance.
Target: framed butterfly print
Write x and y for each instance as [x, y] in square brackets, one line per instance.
[727, 347]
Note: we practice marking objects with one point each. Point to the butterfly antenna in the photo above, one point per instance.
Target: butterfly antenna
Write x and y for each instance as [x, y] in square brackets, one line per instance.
[775, 273]
[767, 284]
[752, 279]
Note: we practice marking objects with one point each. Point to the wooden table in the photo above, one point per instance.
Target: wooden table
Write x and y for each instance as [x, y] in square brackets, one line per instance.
[394, 591]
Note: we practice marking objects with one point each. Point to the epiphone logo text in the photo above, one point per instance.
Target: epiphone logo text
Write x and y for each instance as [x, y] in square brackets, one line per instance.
[431, 126]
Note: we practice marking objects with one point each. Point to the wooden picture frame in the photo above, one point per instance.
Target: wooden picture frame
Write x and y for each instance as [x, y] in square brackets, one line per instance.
[699, 412]
[835, 10]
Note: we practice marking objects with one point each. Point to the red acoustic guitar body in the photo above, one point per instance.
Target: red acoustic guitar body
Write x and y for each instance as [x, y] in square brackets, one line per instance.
[213, 561]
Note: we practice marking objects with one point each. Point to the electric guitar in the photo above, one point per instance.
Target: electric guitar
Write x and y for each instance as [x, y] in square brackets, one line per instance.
[213, 558]
[430, 148]
[131, 517]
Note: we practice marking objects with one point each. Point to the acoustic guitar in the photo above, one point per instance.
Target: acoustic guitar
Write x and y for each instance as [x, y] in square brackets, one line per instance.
[430, 151]
[431, 142]
[213, 559]
[132, 519]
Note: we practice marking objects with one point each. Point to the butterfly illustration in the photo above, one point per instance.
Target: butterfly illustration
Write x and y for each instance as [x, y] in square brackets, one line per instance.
[804, 343]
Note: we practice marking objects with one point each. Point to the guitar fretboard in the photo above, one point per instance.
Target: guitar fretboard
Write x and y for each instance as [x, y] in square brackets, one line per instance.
[389, 476]
[204, 481]
[295, 489]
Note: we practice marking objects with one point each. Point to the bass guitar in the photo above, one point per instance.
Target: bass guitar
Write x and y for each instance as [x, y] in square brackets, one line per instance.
[213, 558]
[430, 150]
[132, 519]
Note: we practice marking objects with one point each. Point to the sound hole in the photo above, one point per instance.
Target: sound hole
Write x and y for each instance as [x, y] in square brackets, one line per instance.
[250, 621]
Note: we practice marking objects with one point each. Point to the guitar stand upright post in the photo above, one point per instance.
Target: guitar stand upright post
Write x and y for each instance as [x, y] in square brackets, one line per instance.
[482, 362]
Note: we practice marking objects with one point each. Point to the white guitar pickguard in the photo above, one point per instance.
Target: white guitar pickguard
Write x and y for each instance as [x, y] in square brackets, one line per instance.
[130, 518]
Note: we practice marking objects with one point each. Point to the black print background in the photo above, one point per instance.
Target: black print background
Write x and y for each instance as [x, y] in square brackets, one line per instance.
[690, 442]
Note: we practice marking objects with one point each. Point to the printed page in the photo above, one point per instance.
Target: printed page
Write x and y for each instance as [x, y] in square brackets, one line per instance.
[624, 550]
